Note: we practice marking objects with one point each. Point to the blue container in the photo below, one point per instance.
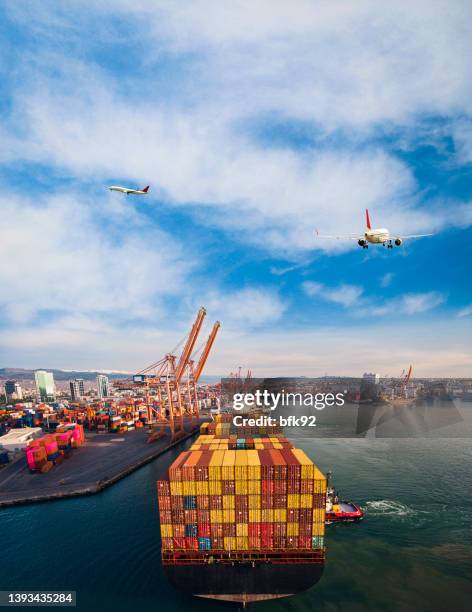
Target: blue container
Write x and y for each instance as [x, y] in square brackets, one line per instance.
[53, 456]
[204, 543]
[4, 458]
[317, 542]
[190, 502]
[191, 530]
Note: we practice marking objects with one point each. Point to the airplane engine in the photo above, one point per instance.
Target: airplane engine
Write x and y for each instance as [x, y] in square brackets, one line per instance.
[398, 241]
[361, 242]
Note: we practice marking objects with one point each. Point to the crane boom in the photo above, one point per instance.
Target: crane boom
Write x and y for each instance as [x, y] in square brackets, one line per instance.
[189, 345]
[206, 351]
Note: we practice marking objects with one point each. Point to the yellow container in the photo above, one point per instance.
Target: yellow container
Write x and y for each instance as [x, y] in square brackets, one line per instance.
[280, 515]
[320, 481]
[241, 487]
[230, 543]
[277, 445]
[202, 488]
[254, 515]
[306, 500]
[214, 468]
[240, 465]
[267, 516]
[319, 515]
[227, 467]
[254, 465]
[318, 529]
[292, 529]
[254, 487]
[229, 516]
[176, 487]
[189, 487]
[216, 516]
[306, 463]
[241, 529]
[214, 446]
[166, 531]
[242, 543]
[228, 502]
[253, 501]
[293, 500]
[258, 446]
[214, 487]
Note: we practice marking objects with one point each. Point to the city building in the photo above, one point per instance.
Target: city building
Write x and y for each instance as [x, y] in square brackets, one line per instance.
[103, 386]
[77, 389]
[370, 377]
[13, 390]
[45, 385]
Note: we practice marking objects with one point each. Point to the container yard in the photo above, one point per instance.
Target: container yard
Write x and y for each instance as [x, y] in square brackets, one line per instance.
[242, 516]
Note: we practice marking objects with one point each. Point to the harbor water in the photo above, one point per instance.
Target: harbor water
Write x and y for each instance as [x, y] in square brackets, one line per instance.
[413, 551]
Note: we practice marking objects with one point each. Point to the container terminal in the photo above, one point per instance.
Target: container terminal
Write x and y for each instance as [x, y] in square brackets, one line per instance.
[242, 515]
[48, 454]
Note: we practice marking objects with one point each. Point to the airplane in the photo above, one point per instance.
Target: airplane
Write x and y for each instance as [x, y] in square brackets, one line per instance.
[127, 190]
[374, 236]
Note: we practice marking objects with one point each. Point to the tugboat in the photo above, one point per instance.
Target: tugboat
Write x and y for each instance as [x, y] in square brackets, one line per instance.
[340, 511]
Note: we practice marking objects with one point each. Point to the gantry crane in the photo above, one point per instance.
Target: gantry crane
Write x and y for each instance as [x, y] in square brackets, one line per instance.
[170, 385]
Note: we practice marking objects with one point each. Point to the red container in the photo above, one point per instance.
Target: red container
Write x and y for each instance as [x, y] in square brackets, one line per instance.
[293, 486]
[304, 529]
[267, 465]
[178, 502]
[179, 543]
[203, 516]
[175, 470]
[267, 487]
[217, 543]
[163, 487]
[164, 502]
[179, 531]
[203, 502]
[178, 516]
[191, 543]
[280, 530]
[216, 502]
[292, 542]
[280, 466]
[280, 487]
[167, 543]
[166, 517]
[201, 471]
[204, 530]
[280, 501]
[306, 486]
[267, 529]
[254, 542]
[267, 542]
[294, 468]
[216, 530]
[254, 530]
[190, 516]
[305, 515]
[242, 515]
[241, 502]
[280, 542]
[229, 530]
[267, 502]
[304, 542]
[228, 487]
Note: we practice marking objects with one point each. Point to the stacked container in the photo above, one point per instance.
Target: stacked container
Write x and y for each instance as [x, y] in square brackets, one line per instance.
[245, 495]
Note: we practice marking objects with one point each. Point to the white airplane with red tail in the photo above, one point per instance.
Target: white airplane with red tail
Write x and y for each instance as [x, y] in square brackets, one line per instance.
[375, 236]
[128, 190]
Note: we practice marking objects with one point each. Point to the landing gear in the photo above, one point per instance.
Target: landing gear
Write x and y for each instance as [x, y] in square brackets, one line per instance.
[389, 244]
[365, 246]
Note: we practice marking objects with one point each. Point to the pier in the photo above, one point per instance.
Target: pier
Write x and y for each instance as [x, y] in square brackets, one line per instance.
[103, 460]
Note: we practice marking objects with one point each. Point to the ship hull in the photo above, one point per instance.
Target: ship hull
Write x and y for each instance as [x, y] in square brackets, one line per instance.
[244, 583]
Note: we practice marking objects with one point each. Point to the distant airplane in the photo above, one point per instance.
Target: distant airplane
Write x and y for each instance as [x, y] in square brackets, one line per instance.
[127, 190]
[374, 236]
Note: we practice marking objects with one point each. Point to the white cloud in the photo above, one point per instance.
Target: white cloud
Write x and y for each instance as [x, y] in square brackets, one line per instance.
[408, 304]
[465, 312]
[246, 308]
[386, 279]
[346, 295]
[61, 255]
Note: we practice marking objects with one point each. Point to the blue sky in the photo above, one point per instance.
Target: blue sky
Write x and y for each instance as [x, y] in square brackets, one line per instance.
[253, 123]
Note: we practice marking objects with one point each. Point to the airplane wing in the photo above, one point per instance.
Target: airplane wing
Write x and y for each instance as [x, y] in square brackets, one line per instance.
[416, 236]
[340, 237]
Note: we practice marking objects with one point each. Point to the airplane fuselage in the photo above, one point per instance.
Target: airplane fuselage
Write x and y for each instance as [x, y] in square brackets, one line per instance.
[377, 236]
[127, 190]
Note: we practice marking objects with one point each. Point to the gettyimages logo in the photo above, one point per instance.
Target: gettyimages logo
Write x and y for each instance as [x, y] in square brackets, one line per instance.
[268, 400]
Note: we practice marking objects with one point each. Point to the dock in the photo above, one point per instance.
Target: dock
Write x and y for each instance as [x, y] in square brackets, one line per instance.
[103, 460]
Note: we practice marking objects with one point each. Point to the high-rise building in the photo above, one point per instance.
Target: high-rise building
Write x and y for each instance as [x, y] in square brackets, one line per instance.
[371, 377]
[77, 389]
[45, 385]
[13, 390]
[103, 386]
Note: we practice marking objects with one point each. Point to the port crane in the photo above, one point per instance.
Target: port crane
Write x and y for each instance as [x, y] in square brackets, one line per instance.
[170, 385]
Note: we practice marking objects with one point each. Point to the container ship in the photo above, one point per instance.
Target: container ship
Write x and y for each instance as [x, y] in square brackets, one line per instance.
[242, 515]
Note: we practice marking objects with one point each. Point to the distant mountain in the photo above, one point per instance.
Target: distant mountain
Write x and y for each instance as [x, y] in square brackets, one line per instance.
[24, 374]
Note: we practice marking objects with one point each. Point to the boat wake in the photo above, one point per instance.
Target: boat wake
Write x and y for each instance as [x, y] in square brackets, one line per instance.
[387, 507]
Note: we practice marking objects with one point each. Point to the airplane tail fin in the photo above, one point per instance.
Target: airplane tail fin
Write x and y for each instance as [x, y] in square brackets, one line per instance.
[145, 189]
[367, 219]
